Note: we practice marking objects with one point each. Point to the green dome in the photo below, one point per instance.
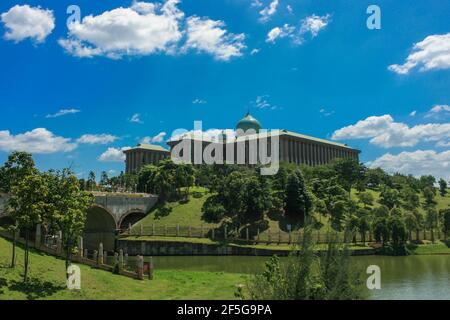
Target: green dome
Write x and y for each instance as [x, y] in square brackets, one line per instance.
[247, 123]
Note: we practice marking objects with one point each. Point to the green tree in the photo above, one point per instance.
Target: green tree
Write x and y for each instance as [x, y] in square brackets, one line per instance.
[69, 208]
[442, 187]
[104, 180]
[427, 182]
[349, 172]
[366, 198]
[92, 182]
[298, 199]
[28, 204]
[16, 169]
[446, 222]
[305, 276]
[431, 221]
[389, 197]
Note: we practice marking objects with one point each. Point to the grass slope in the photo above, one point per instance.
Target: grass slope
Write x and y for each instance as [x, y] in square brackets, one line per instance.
[190, 213]
[48, 282]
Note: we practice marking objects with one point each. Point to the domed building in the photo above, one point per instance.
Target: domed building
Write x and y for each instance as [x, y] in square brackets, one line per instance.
[248, 125]
[244, 147]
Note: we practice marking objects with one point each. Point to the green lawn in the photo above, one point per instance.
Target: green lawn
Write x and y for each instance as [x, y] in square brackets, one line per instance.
[430, 248]
[47, 281]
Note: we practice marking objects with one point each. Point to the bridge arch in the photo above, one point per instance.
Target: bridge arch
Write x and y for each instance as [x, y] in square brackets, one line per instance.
[100, 227]
[131, 217]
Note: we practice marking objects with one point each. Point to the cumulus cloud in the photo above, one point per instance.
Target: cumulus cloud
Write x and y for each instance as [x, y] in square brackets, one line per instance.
[96, 138]
[438, 111]
[149, 28]
[62, 112]
[22, 22]
[156, 139]
[113, 155]
[269, 11]
[39, 140]
[311, 26]
[314, 24]
[383, 131]
[417, 163]
[280, 32]
[210, 36]
[432, 53]
[142, 29]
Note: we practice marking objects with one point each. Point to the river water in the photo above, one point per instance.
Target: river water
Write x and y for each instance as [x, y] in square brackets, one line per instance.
[412, 277]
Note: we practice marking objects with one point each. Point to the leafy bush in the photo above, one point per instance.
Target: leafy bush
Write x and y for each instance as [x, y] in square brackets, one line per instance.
[162, 212]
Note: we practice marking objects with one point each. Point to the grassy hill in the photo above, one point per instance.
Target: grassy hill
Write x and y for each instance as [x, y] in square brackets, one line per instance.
[47, 281]
[190, 213]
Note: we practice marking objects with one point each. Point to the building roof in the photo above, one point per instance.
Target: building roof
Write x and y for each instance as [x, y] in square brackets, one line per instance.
[248, 122]
[151, 147]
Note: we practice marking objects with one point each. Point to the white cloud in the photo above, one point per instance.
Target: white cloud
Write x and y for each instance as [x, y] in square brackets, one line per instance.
[113, 155]
[413, 113]
[290, 9]
[156, 139]
[199, 101]
[256, 3]
[96, 138]
[417, 163]
[22, 22]
[39, 140]
[277, 32]
[385, 132]
[255, 51]
[269, 11]
[314, 24]
[432, 53]
[311, 25]
[142, 29]
[438, 111]
[326, 112]
[135, 118]
[62, 112]
[210, 36]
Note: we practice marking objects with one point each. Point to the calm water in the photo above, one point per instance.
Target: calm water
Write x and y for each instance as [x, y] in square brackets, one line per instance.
[413, 277]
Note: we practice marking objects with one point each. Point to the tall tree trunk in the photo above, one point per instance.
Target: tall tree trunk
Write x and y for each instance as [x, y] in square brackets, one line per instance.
[432, 235]
[13, 259]
[27, 238]
[417, 234]
[68, 256]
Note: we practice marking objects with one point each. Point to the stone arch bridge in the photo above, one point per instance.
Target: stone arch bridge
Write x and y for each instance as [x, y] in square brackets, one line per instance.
[111, 213]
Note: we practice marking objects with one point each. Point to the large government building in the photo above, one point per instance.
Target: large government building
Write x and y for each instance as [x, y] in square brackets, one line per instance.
[293, 147]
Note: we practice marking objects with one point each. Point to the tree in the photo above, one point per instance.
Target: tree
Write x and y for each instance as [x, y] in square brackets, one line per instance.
[17, 167]
[398, 231]
[427, 182]
[305, 276]
[389, 197]
[349, 171]
[104, 180]
[431, 221]
[91, 182]
[69, 208]
[366, 198]
[410, 199]
[298, 199]
[446, 222]
[442, 187]
[28, 204]
[411, 223]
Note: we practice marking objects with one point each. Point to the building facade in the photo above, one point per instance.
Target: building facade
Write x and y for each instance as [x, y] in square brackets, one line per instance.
[241, 149]
[143, 154]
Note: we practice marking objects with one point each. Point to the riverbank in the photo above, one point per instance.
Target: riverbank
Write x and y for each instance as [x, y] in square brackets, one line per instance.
[47, 281]
[157, 245]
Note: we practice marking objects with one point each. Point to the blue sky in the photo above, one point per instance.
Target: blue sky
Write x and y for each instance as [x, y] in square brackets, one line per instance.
[307, 66]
